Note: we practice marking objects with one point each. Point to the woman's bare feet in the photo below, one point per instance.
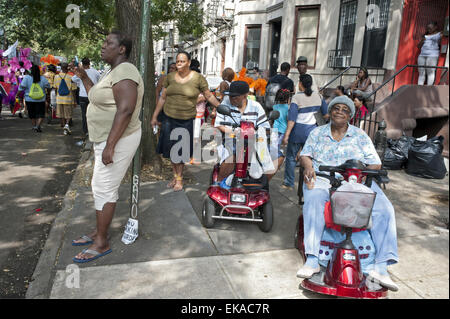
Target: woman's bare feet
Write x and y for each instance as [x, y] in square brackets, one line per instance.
[178, 184]
[172, 183]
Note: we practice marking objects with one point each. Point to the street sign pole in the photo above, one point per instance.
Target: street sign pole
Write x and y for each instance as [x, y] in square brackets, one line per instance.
[142, 66]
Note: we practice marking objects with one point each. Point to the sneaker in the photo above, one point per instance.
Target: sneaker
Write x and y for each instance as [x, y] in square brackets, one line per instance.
[39, 130]
[307, 272]
[383, 280]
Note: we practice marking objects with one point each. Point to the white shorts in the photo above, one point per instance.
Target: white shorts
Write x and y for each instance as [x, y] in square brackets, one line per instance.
[106, 179]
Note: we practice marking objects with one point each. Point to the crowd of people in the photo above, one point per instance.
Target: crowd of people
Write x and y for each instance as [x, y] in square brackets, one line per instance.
[50, 91]
[111, 105]
[300, 139]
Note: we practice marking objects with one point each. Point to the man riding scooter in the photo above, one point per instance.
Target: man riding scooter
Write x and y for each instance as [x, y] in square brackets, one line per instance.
[242, 109]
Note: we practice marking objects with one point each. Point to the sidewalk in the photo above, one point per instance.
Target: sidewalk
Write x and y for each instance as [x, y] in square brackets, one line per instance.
[175, 257]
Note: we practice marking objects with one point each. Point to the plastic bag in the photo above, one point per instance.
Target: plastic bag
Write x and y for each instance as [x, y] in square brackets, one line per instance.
[425, 159]
[396, 154]
[352, 205]
[265, 164]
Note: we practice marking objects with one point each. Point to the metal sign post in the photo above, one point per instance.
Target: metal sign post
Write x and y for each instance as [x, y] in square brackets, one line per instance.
[131, 228]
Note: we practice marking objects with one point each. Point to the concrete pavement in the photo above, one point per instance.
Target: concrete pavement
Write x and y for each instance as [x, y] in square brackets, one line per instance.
[175, 257]
[36, 170]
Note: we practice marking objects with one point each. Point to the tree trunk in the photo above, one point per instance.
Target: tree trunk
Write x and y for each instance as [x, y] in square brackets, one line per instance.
[128, 16]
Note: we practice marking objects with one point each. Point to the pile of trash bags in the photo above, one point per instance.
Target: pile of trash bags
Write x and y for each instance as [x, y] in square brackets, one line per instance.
[420, 157]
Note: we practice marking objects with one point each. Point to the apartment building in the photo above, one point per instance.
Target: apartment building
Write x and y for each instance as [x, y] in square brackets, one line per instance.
[333, 34]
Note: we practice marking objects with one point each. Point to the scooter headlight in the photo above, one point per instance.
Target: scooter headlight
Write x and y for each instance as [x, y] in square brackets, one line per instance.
[238, 198]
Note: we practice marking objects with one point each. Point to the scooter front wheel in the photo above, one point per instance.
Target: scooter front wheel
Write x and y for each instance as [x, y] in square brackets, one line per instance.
[267, 217]
[208, 211]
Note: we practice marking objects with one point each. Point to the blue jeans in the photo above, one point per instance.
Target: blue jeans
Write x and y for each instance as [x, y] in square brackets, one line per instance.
[383, 231]
[289, 169]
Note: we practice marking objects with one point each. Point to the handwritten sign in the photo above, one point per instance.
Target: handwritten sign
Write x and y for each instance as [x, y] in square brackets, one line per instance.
[131, 231]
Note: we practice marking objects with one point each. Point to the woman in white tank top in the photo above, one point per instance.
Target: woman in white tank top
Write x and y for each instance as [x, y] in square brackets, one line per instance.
[429, 53]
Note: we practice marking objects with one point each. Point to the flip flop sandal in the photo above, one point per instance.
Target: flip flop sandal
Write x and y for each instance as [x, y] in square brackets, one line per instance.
[95, 253]
[88, 240]
[179, 188]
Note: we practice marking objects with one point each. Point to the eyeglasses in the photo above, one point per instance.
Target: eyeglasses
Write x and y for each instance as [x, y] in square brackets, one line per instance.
[343, 109]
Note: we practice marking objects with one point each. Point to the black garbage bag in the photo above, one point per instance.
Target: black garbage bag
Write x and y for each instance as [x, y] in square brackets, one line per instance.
[396, 153]
[393, 160]
[403, 145]
[425, 159]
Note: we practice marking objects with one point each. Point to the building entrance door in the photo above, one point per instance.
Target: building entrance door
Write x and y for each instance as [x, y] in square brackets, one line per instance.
[416, 15]
[275, 47]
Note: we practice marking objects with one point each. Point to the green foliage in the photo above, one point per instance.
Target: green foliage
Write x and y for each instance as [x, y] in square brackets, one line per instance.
[41, 24]
[187, 17]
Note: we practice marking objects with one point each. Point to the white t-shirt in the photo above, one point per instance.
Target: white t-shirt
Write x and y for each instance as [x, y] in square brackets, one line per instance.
[254, 112]
[431, 45]
[93, 74]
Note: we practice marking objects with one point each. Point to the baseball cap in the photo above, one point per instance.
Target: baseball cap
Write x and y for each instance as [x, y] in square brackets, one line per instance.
[302, 59]
[238, 88]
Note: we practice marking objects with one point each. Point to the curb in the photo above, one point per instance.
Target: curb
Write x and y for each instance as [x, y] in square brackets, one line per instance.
[41, 281]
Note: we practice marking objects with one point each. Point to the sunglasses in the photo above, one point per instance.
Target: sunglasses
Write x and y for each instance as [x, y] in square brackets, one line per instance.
[343, 109]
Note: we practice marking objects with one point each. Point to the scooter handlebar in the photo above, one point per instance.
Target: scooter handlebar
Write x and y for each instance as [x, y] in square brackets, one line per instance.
[324, 168]
[369, 172]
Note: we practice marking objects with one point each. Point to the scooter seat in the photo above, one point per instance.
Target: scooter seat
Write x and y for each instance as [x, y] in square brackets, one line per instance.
[256, 184]
[252, 187]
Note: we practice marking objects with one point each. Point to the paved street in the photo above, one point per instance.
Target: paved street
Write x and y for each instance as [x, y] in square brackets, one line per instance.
[175, 257]
[35, 172]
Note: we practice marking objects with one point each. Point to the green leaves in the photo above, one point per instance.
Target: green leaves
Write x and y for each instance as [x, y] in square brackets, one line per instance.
[188, 18]
[41, 24]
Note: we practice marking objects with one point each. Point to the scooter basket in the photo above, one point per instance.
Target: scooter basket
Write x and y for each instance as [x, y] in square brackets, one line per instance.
[352, 209]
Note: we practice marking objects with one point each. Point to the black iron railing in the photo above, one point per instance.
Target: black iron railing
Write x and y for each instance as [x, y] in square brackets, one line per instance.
[343, 72]
[373, 95]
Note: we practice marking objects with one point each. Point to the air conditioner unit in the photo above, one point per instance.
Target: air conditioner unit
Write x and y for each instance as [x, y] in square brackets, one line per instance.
[342, 61]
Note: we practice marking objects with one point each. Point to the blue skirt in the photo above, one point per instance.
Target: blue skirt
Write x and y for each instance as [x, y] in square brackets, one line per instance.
[179, 149]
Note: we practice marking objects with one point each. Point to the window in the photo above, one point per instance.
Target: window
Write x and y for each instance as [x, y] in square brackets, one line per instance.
[347, 25]
[306, 33]
[375, 35]
[252, 46]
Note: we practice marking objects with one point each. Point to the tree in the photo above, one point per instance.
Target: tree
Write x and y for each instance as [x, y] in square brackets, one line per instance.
[187, 17]
[41, 25]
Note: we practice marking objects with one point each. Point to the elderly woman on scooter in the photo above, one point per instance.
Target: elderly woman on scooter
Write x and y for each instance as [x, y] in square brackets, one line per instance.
[332, 145]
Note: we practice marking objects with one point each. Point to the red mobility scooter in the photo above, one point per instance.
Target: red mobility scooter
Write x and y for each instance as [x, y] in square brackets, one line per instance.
[247, 199]
[343, 275]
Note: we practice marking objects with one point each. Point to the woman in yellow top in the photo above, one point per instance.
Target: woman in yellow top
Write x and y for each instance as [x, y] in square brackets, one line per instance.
[179, 99]
[115, 130]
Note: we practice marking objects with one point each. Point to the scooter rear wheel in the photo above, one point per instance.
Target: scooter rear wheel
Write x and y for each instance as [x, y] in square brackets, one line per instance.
[208, 211]
[267, 216]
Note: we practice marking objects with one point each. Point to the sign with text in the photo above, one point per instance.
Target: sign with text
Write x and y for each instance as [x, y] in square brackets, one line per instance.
[131, 231]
